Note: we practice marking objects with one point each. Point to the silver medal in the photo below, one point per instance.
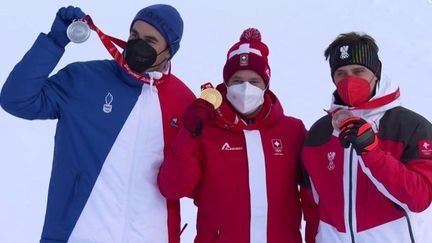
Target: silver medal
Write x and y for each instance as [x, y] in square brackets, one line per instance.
[78, 31]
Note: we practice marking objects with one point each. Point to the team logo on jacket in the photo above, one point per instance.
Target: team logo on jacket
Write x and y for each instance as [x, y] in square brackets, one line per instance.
[330, 157]
[227, 147]
[425, 148]
[277, 146]
[107, 107]
[174, 122]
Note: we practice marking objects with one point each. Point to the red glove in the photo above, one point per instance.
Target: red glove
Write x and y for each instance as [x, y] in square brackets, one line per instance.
[196, 114]
[358, 132]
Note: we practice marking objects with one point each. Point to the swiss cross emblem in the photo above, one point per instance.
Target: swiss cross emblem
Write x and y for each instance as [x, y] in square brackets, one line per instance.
[244, 59]
[425, 148]
[277, 145]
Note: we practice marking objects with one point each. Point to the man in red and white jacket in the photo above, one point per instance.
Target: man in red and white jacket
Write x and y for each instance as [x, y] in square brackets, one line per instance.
[371, 172]
[240, 162]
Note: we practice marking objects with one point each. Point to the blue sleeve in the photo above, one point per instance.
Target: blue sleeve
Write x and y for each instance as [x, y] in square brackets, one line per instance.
[29, 92]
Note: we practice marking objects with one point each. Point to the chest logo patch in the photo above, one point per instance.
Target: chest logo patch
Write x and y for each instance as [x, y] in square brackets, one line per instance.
[174, 122]
[107, 107]
[277, 146]
[330, 157]
[425, 148]
[228, 147]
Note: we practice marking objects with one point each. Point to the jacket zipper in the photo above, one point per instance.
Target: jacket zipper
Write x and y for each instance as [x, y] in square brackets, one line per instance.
[409, 226]
[350, 203]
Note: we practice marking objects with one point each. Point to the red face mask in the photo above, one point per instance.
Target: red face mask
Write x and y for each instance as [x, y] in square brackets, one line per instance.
[353, 90]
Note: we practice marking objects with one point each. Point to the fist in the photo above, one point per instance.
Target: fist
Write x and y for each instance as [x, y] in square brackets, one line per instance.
[196, 114]
[63, 18]
[359, 133]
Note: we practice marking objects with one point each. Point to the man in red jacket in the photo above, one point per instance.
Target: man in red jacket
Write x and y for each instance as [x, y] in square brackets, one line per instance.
[371, 172]
[240, 162]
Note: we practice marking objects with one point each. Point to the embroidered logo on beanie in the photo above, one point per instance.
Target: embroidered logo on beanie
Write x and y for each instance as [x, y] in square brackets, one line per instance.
[244, 59]
[344, 52]
[355, 53]
[250, 53]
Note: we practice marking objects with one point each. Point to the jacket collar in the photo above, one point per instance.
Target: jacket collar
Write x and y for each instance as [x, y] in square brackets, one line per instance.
[124, 76]
[228, 118]
[386, 97]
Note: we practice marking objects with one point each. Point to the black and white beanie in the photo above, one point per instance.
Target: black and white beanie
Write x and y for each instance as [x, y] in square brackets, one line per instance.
[355, 53]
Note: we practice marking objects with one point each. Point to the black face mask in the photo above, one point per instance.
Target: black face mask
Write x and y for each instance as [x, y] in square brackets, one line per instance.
[140, 56]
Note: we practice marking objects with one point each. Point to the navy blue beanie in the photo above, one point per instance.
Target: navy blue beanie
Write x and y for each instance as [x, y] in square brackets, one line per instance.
[167, 20]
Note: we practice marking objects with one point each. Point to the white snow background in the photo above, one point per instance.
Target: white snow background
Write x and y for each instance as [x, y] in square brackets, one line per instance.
[297, 32]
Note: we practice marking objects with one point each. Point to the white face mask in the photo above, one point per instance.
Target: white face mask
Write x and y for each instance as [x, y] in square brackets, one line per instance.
[245, 97]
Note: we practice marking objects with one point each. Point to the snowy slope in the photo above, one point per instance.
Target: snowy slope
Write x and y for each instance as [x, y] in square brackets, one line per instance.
[297, 33]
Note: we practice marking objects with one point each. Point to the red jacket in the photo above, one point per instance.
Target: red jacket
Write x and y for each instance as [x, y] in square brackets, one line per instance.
[382, 196]
[243, 178]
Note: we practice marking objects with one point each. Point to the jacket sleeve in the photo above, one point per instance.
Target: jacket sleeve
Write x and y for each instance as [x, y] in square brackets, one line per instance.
[180, 171]
[309, 207]
[28, 91]
[407, 182]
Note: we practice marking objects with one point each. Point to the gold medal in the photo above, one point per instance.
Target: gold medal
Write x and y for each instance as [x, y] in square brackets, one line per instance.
[213, 96]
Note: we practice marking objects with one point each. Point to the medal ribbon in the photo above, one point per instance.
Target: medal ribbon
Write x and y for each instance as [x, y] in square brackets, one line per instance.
[108, 42]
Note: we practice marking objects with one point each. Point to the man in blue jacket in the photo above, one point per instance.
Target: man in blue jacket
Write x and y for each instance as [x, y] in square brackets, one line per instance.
[112, 130]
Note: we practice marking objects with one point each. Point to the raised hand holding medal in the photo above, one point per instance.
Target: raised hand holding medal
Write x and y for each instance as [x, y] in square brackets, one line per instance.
[81, 29]
[202, 109]
[78, 31]
[211, 95]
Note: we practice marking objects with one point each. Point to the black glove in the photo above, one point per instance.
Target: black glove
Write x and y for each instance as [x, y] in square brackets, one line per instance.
[196, 114]
[356, 131]
[63, 19]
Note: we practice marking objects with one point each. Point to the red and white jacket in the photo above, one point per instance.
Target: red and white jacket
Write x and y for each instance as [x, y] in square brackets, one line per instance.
[243, 178]
[382, 196]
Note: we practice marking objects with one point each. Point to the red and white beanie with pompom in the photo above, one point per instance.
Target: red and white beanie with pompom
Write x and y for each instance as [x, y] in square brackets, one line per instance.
[248, 54]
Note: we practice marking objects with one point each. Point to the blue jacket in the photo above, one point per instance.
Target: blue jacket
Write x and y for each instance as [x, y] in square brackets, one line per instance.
[111, 135]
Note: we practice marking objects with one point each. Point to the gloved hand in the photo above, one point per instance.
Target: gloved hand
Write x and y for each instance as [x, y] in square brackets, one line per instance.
[196, 114]
[63, 19]
[358, 132]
